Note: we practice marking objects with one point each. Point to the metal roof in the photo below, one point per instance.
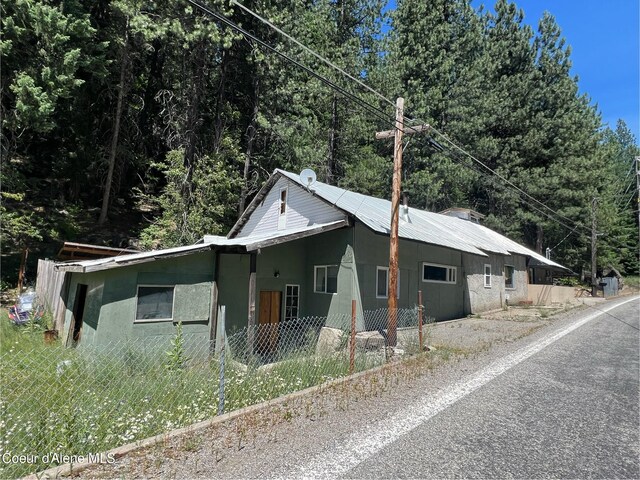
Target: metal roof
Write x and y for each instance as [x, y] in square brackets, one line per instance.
[423, 226]
[209, 242]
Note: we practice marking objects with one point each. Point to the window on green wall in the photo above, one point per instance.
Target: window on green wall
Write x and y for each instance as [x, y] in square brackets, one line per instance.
[325, 279]
[508, 276]
[291, 302]
[436, 273]
[154, 302]
[382, 282]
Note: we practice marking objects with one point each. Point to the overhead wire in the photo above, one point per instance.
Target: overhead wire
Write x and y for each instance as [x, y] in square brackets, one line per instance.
[380, 114]
[377, 112]
[389, 101]
[312, 52]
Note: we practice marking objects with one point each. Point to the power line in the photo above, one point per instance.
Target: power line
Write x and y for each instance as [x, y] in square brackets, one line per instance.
[381, 96]
[318, 56]
[380, 114]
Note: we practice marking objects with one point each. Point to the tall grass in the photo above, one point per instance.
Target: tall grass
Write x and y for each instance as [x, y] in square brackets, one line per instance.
[87, 400]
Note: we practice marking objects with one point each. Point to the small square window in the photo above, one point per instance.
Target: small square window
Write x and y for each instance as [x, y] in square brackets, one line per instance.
[154, 302]
[326, 279]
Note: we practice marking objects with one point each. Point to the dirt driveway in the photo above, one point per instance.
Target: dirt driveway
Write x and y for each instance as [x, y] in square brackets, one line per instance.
[480, 332]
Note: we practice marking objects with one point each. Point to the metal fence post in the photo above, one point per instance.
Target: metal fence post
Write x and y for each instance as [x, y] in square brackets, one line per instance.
[420, 340]
[352, 345]
[221, 323]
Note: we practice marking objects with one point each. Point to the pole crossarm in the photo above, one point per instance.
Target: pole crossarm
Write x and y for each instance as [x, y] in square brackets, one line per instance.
[407, 130]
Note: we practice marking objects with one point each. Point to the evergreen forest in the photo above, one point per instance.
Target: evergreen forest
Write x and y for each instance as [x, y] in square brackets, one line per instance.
[151, 123]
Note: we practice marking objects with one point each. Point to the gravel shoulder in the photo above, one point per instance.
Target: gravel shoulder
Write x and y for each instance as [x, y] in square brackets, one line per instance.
[266, 441]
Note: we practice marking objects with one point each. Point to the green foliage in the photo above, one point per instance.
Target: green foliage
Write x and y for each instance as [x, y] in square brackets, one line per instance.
[206, 116]
[176, 357]
[193, 204]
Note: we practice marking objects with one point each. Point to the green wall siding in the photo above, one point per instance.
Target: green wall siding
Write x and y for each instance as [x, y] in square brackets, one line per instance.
[233, 289]
[290, 263]
[113, 293]
[357, 251]
[442, 301]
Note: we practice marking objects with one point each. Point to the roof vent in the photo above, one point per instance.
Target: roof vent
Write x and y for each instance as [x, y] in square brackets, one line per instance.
[463, 213]
[404, 209]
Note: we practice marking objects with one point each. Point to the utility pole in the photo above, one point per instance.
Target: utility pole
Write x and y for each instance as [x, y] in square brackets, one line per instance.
[594, 245]
[392, 291]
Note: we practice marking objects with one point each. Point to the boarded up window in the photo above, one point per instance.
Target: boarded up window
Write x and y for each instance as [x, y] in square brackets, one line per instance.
[193, 302]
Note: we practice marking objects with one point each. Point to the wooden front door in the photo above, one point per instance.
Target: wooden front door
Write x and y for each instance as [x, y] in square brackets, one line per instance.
[268, 320]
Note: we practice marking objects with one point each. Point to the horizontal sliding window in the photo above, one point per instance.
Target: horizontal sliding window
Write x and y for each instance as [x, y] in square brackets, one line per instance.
[433, 272]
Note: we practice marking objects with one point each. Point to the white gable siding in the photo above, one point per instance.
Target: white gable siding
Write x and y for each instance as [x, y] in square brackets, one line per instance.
[303, 209]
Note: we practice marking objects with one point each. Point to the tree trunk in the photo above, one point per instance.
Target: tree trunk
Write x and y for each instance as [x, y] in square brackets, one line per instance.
[251, 136]
[219, 124]
[333, 132]
[116, 128]
[539, 239]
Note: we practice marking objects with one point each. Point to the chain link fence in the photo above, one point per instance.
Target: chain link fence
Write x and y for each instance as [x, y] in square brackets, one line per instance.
[89, 399]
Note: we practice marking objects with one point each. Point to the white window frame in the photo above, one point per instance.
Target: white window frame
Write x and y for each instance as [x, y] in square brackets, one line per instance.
[282, 208]
[452, 273]
[513, 277]
[149, 320]
[284, 313]
[315, 278]
[487, 278]
[386, 288]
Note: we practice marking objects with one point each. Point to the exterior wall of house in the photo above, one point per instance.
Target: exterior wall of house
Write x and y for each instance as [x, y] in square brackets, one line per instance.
[93, 303]
[480, 298]
[302, 210]
[442, 301]
[233, 289]
[291, 263]
[112, 298]
[332, 248]
[520, 290]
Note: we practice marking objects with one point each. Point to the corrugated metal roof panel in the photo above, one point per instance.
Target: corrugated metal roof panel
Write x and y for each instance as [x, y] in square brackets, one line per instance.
[207, 243]
[111, 262]
[427, 227]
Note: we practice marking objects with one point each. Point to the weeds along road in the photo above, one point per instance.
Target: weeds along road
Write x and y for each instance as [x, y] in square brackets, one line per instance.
[562, 403]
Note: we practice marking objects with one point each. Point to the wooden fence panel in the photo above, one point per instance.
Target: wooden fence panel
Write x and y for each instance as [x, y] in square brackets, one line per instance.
[51, 288]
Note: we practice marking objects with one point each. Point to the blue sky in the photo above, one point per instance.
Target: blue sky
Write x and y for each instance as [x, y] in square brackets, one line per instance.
[604, 39]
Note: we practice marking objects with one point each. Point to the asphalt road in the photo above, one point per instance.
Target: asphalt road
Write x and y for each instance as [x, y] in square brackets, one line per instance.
[562, 402]
[568, 411]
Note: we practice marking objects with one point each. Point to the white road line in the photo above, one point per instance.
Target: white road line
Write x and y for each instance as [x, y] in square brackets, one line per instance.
[364, 444]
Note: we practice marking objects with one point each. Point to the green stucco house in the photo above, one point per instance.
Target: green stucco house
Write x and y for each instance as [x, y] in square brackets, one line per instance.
[297, 251]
